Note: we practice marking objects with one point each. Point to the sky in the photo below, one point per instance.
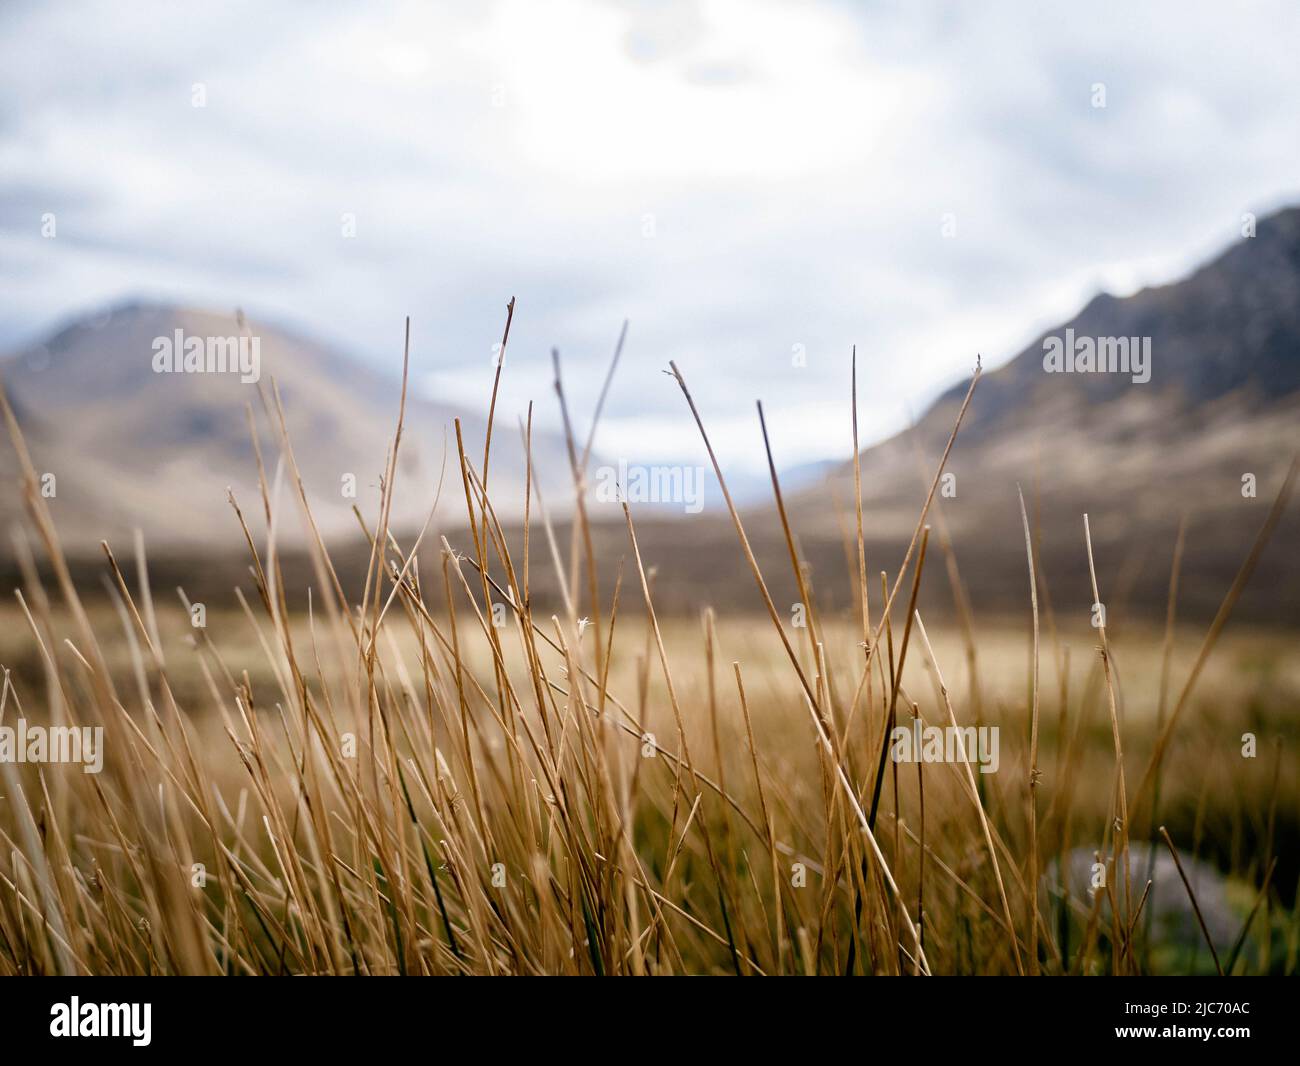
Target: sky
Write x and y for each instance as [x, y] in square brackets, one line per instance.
[755, 186]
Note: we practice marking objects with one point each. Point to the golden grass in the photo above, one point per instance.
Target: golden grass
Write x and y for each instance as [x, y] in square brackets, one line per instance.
[397, 785]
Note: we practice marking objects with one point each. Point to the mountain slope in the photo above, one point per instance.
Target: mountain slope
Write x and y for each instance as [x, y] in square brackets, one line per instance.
[1222, 402]
[130, 446]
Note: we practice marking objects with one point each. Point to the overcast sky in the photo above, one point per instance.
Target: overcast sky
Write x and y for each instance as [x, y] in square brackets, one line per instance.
[736, 178]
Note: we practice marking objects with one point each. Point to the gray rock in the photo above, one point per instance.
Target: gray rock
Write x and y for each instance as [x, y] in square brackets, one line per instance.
[1168, 913]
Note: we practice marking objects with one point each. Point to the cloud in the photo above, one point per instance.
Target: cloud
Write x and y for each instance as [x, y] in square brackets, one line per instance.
[742, 180]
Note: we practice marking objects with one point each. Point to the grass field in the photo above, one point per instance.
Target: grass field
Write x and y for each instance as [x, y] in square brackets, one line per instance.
[432, 778]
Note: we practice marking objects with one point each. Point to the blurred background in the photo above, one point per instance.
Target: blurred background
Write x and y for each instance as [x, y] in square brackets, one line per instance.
[754, 188]
[924, 181]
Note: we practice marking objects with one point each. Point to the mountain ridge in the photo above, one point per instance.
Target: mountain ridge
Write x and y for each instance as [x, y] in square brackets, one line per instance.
[1140, 459]
[1222, 406]
[132, 447]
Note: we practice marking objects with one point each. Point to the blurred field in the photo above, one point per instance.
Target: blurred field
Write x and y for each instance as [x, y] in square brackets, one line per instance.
[1225, 809]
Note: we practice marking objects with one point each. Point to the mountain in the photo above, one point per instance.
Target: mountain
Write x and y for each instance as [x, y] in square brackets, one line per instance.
[131, 446]
[1183, 436]
[1222, 401]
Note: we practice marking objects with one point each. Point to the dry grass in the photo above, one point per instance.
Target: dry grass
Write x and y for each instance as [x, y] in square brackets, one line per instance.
[397, 785]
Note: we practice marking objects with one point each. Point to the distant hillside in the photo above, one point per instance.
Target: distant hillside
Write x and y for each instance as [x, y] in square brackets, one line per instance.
[1223, 401]
[130, 446]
